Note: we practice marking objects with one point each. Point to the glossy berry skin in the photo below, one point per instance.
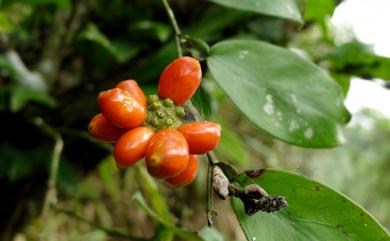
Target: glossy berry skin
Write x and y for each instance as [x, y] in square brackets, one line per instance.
[103, 130]
[167, 155]
[121, 109]
[180, 79]
[134, 90]
[202, 137]
[188, 175]
[131, 146]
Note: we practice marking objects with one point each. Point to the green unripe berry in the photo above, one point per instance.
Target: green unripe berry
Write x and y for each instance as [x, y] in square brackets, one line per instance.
[160, 114]
[168, 102]
[152, 98]
[156, 105]
[180, 112]
[154, 122]
[169, 121]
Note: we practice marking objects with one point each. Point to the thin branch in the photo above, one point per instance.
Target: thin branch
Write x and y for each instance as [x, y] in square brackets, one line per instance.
[51, 192]
[108, 230]
[210, 199]
[175, 26]
[212, 161]
[212, 158]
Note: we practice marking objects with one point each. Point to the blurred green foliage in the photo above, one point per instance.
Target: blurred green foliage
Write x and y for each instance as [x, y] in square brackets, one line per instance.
[358, 59]
[56, 55]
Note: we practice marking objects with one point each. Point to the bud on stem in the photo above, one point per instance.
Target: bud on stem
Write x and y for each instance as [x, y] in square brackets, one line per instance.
[220, 183]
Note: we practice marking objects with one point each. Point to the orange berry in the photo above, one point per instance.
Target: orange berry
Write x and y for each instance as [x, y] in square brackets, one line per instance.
[131, 146]
[180, 79]
[202, 137]
[167, 155]
[134, 90]
[188, 175]
[103, 130]
[121, 109]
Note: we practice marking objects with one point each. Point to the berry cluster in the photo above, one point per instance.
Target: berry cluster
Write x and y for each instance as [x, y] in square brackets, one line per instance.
[152, 127]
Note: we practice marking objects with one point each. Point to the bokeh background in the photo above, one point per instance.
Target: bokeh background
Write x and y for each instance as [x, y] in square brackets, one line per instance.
[56, 56]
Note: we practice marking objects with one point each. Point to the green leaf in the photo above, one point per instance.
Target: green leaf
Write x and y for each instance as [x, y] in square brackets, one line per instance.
[198, 48]
[92, 33]
[60, 3]
[358, 59]
[124, 51]
[157, 30]
[140, 200]
[18, 166]
[210, 234]
[67, 176]
[202, 102]
[150, 69]
[315, 212]
[6, 67]
[318, 9]
[343, 80]
[162, 233]
[6, 24]
[232, 146]
[121, 50]
[158, 201]
[287, 9]
[282, 93]
[3, 98]
[21, 95]
[108, 174]
[96, 235]
[209, 28]
[181, 232]
[17, 162]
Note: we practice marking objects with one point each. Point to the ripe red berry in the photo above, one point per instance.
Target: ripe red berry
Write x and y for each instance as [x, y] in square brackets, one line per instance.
[131, 146]
[167, 155]
[103, 130]
[180, 79]
[121, 109]
[188, 175]
[202, 137]
[134, 90]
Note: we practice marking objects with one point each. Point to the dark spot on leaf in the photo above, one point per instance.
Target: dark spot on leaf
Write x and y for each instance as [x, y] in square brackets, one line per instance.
[254, 173]
[361, 214]
[318, 188]
[342, 229]
[376, 64]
